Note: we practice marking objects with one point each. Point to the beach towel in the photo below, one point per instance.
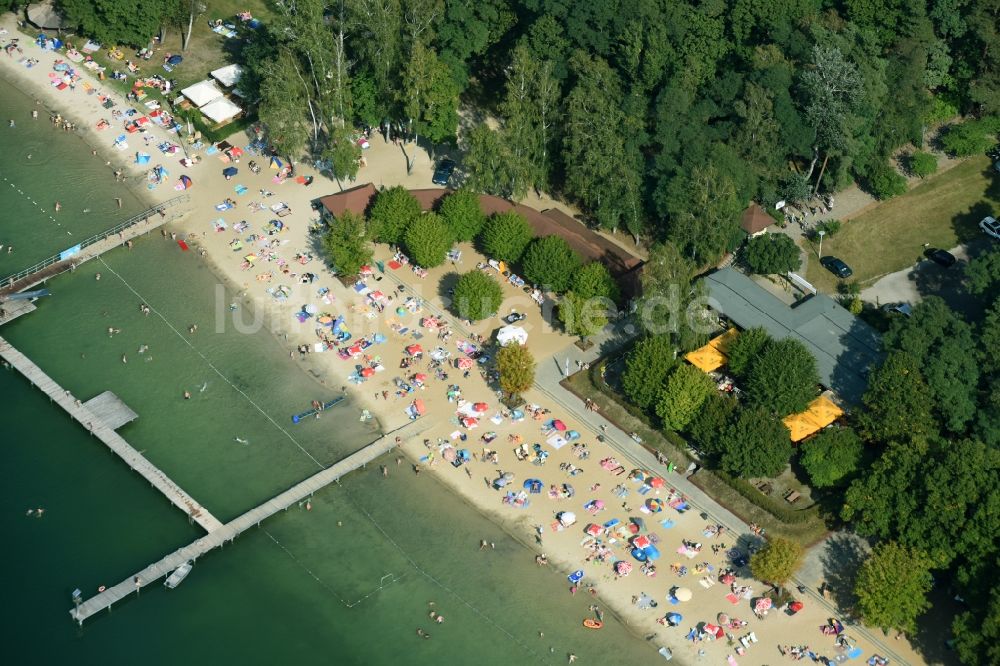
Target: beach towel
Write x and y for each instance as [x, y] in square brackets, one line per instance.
[732, 598]
[394, 265]
[182, 244]
[142, 158]
[731, 660]
[225, 205]
[219, 224]
[666, 524]
[241, 189]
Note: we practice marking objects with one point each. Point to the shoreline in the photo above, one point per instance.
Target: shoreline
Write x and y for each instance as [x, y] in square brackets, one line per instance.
[560, 545]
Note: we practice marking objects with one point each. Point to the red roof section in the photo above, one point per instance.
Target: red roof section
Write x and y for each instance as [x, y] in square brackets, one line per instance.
[551, 222]
[755, 219]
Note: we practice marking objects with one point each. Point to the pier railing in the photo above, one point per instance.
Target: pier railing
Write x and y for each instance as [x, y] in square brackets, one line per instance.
[11, 280]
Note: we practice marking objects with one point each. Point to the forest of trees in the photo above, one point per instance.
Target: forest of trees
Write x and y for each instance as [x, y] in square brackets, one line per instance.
[656, 117]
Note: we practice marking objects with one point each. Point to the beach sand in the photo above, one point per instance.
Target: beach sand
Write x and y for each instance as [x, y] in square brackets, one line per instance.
[386, 165]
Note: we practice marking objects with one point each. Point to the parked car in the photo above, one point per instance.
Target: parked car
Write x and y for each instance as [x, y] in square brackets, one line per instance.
[836, 266]
[515, 317]
[904, 309]
[442, 175]
[940, 257]
[990, 226]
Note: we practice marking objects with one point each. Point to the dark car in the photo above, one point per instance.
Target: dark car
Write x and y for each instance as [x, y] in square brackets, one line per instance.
[940, 257]
[443, 172]
[836, 266]
[515, 317]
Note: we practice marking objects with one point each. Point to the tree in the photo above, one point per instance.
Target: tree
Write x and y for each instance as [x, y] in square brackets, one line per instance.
[898, 401]
[581, 316]
[550, 262]
[977, 634]
[884, 181]
[921, 164]
[703, 211]
[777, 561]
[970, 137]
[892, 587]
[646, 367]
[668, 294]
[477, 296]
[530, 109]
[115, 21]
[346, 243]
[392, 213]
[706, 428]
[756, 445]
[601, 171]
[831, 456]
[516, 368]
[505, 236]
[429, 96]
[833, 89]
[783, 378]
[379, 26]
[343, 154]
[594, 280]
[745, 349]
[773, 253]
[283, 105]
[460, 210]
[686, 390]
[488, 163]
[428, 240]
[989, 337]
[982, 275]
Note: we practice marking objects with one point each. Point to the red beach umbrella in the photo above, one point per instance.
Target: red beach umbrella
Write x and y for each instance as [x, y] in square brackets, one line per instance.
[559, 425]
[657, 482]
[368, 372]
[594, 530]
[420, 377]
[623, 568]
[414, 350]
[464, 363]
[480, 407]
[419, 405]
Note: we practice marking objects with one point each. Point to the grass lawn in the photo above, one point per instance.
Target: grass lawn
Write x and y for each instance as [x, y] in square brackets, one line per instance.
[943, 212]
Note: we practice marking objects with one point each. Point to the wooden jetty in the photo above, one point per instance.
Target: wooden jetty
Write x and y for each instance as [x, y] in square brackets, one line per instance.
[14, 309]
[92, 247]
[103, 431]
[228, 532]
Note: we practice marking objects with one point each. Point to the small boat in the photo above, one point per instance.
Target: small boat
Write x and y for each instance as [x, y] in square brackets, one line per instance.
[178, 575]
[592, 624]
[326, 405]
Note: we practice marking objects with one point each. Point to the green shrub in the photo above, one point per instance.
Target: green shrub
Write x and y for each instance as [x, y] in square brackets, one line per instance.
[773, 253]
[477, 296]
[505, 236]
[679, 401]
[921, 164]
[884, 182]
[550, 262]
[428, 240]
[970, 137]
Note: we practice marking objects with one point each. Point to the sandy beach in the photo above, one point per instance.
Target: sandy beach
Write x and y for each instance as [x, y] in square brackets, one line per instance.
[287, 285]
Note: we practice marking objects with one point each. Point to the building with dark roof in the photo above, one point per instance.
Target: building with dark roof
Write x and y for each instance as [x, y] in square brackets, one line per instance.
[845, 347]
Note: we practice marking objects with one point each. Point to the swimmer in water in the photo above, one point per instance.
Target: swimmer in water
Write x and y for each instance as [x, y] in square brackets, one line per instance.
[124, 358]
[97, 276]
[241, 440]
[187, 395]
[203, 387]
[58, 206]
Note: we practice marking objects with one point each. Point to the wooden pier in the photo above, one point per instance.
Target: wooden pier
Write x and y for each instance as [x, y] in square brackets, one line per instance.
[228, 532]
[14, 309]
[103, 431]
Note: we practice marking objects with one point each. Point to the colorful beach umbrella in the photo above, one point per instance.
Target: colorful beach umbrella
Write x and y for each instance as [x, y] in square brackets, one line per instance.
[464, 363]
[762, 605]
[420, 378]
[623, 568]
[558, 425]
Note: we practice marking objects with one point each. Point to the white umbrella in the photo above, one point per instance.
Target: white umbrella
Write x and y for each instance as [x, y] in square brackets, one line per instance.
[509, 334]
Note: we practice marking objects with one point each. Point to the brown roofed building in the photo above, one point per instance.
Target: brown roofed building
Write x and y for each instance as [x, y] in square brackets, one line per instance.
[755, 220]
[590, 245]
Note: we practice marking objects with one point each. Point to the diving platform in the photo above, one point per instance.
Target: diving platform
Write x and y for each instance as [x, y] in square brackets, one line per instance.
[228, 532]
[81, 413]
[11, 310]
[109, 409]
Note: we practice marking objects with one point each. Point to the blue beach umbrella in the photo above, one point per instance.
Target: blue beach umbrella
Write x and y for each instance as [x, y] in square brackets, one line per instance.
[230, 171]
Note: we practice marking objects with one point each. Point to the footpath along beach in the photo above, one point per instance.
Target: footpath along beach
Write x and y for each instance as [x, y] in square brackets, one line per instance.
[529, 469]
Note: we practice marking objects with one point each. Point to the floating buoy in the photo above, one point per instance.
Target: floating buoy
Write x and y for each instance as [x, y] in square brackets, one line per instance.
[309, 506]
[101, 588]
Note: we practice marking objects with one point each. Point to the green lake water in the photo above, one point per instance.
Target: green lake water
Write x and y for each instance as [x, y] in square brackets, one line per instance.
[347, 582]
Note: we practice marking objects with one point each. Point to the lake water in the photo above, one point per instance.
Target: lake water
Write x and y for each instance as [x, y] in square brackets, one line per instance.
[347, 582]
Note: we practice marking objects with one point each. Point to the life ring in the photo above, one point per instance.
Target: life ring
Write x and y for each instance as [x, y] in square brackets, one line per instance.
[101, 588]
[592, 624]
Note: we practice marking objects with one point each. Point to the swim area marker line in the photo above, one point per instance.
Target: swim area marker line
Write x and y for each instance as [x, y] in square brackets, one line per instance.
[37, 205]
[399, 548]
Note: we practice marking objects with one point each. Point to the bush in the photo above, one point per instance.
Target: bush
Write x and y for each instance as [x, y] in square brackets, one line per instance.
[346, 244]
[428, 240]
[971, 137]
[745, 348]
[646, 368]
[505, 236]
[831, 456]
[516, 368]
[550, 262]
[757, 444]
[828, 227]
[783, 378]
[477, 296]
[686, 390]
[594, 281]
[394, 210]
[777, 561]
[461, 212]
[884, 182]
[921, 164]
[773, 253]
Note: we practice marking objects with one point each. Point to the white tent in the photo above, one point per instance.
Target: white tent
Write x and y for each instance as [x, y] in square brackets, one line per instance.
[509, 334]
[228, 76]
[221, 110]
[202, 93]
